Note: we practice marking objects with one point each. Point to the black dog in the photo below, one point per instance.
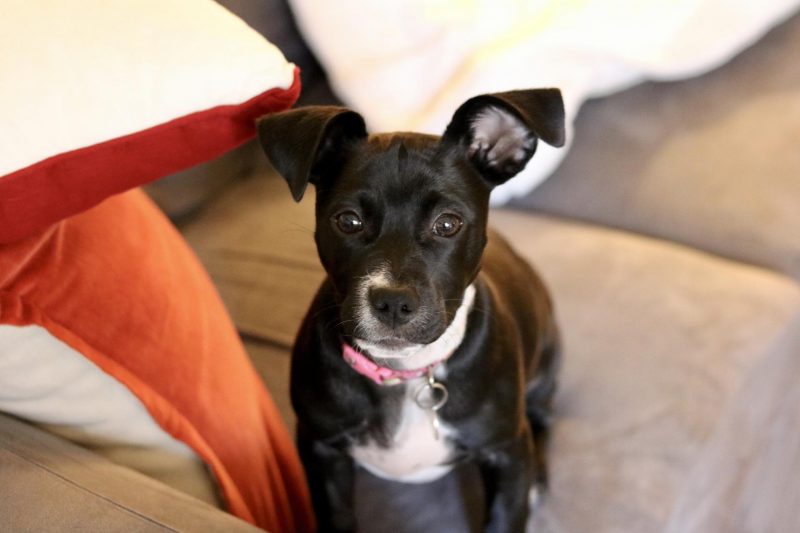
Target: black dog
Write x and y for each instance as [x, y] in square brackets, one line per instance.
[421, 348]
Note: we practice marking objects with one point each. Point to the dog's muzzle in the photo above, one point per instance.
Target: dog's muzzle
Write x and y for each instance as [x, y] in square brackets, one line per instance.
[393, 306]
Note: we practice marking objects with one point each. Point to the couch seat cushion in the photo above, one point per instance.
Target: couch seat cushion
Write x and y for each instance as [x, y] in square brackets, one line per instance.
[50, 484]
[659, 337]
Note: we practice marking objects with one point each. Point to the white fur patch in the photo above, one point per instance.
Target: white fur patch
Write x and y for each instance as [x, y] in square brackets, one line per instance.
[501, 136]
[414, 454]
[367, 322]
[534, 498]
[421, 355]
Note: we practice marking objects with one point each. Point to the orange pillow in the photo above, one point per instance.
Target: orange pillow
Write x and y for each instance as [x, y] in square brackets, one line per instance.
[118, 284]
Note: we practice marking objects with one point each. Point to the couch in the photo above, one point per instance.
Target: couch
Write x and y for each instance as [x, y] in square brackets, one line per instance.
[669, 240]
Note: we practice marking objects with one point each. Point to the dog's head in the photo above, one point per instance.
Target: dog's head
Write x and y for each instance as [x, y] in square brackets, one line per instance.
[401, 217]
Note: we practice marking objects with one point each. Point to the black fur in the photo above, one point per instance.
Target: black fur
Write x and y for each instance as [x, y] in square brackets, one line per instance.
[503, 375]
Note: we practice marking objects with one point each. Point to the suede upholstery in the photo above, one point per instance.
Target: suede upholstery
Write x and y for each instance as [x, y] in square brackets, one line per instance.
[712, 162]
[659, 340]
[53, 485]
[673, 411]
[669, 240]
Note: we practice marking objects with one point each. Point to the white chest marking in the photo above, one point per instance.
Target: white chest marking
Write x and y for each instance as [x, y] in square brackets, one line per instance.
[413, 455]
[422, 355]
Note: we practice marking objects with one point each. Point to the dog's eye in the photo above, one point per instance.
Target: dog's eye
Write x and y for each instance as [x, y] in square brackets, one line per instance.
[447, 225]
[349, 222]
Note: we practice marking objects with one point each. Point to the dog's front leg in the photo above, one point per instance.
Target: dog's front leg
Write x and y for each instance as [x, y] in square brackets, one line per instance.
[508, 472]
[331, 474]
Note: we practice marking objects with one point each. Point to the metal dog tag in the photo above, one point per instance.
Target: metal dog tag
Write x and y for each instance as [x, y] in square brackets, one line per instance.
[431, 397]
[434, 424]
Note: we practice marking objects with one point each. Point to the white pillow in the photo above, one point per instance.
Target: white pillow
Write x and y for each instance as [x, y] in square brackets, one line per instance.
[97, 97]
[408, 65]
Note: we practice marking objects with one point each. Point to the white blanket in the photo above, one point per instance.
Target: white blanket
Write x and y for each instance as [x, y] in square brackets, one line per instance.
[407, 65]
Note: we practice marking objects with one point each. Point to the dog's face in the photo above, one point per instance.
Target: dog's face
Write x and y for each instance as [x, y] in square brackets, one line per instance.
[400, 230]
[401, 218]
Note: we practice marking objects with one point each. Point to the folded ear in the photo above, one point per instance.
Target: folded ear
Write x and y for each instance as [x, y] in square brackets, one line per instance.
[500, 131]
[306, 143]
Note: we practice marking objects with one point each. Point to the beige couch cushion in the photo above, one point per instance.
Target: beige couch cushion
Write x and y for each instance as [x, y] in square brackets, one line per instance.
[258, 246]
[713, 162]
[659, 339]
[50, 484]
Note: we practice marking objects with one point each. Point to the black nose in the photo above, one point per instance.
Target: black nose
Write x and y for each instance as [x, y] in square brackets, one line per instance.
[394, 306]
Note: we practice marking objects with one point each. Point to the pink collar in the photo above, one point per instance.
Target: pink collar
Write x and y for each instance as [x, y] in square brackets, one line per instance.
[380, 374]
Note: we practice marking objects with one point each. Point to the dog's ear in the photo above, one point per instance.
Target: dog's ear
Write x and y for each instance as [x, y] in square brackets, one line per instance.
[306, 143]
[499, 131]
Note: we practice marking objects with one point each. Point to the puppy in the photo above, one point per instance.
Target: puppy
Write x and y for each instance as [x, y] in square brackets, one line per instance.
[429, 342]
